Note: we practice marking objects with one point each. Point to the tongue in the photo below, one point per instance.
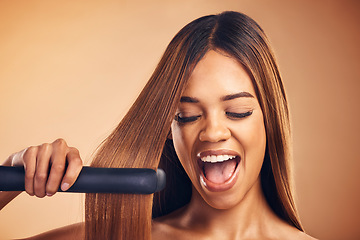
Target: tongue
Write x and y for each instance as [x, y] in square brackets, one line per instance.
[219, 172]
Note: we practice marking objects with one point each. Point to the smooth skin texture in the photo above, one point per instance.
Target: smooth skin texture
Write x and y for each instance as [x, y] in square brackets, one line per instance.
[218, 113]
[212, 118]
[214, 80]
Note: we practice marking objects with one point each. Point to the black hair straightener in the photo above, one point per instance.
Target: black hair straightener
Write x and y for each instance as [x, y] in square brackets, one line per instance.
[96, 180]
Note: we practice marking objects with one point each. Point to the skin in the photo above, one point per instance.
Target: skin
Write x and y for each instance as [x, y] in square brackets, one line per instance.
[36, 161]
[236, 212]
[239, 212]
[216, 128]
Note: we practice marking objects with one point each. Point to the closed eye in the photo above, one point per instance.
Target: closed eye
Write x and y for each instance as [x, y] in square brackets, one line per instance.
[186, 119]
[238, 115]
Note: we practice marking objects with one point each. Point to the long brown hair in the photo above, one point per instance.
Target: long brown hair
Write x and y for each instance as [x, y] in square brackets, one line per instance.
[140, 140]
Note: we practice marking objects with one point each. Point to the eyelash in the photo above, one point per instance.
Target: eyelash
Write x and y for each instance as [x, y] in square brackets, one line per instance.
[239, 115]
[185, 119]
[229, 114]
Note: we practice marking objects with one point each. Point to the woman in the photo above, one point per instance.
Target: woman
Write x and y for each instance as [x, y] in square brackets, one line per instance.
[214, 115]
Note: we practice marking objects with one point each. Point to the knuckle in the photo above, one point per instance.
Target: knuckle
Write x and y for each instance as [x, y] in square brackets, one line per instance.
[30, 152]
[45, 147]
[75, 156]
[41, 177]
[74, 150]
[58, 168]
[61, 143]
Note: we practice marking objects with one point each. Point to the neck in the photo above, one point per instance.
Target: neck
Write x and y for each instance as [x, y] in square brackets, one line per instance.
[250, 217]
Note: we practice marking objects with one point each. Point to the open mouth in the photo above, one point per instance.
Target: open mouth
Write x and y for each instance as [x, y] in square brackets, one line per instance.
[218, 170]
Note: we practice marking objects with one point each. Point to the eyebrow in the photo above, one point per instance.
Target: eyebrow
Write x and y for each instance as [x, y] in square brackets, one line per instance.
[237, 95]
[224, 98]
[189, 99]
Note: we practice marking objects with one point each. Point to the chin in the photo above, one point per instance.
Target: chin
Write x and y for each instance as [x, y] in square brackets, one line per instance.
[233, 197]
[223, 203]
[222, 200]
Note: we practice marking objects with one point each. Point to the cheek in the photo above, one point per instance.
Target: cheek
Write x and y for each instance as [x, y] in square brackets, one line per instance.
[183, 139]
[257, 138]
[253, 139]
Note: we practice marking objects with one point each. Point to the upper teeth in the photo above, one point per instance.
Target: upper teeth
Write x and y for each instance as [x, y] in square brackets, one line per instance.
[217, 158]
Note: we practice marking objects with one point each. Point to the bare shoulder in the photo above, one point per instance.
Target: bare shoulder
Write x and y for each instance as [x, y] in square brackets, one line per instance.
[304, 236]
[296, 234]
[70, 232]
[161, 230]
[279, 229]
[167, 227]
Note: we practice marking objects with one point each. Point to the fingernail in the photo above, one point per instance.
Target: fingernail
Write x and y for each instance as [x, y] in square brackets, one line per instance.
[49, 194]
[65, 186]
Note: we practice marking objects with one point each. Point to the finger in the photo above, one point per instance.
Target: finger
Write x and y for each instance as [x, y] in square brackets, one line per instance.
[42, 167]
[29, 162]
[58, 161]
[73, 169]
[17, 159]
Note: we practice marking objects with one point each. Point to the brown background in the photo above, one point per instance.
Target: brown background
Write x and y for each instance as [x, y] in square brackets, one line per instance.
[71, 69]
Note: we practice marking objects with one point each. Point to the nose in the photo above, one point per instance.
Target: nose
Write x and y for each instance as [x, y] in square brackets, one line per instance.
[215, 130]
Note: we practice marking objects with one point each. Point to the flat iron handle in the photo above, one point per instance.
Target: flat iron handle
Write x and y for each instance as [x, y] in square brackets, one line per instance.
[96, 180]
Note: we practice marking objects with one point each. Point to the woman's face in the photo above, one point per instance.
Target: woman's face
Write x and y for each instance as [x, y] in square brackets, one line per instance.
[218, 131]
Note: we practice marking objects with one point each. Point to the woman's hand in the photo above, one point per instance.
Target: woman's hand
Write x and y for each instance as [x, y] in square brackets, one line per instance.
[45, 167]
